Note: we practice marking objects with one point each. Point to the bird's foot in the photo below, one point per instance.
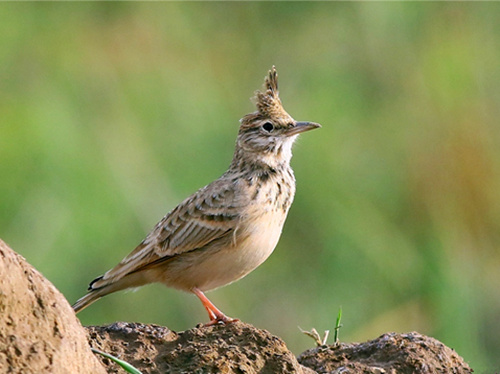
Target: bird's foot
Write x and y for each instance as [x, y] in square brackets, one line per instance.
[215, 315]
[221, 320]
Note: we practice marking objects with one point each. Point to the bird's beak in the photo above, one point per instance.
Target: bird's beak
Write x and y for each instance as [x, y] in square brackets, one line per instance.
[301, 127]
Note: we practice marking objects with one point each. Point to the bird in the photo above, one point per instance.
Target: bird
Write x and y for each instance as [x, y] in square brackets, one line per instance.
[229, 227]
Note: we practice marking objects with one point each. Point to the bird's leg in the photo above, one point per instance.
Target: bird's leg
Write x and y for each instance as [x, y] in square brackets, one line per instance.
[214, 313]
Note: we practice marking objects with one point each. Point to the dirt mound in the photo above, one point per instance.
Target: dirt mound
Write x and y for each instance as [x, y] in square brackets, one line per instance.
[241, 348]
[234, 348]
[389, 353]
[39, 332]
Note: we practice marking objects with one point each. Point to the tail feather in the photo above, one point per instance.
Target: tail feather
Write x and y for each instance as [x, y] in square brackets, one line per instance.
[109, 286]
[86, 300]
[92, 296]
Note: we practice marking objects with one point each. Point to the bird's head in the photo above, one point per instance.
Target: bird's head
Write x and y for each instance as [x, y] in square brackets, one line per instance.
[268, 134]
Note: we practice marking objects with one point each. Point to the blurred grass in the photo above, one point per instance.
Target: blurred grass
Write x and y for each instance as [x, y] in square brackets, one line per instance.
[111, 113]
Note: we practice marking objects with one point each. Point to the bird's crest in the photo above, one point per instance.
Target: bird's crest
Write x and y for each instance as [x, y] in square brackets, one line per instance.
[267, 100]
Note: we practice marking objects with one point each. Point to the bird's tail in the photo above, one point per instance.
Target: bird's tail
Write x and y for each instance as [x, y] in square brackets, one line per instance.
[85, 301]
[105, 286]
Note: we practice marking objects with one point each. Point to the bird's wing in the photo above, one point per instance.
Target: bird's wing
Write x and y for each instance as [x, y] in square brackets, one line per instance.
[210, 214]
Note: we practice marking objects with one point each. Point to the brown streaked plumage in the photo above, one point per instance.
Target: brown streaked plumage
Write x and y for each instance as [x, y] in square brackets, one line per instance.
[227, 228]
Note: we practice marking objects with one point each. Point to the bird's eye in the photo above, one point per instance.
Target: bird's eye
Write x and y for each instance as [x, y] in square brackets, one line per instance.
[268, 126]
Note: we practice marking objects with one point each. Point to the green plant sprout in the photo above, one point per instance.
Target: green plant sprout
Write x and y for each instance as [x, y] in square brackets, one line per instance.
[322, 341]
[337, 328]
[125, 365]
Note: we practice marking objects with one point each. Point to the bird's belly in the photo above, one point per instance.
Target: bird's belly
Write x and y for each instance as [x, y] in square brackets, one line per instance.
[223, 263]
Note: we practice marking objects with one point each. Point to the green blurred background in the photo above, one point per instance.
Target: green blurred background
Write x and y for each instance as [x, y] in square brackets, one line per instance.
[112, 113]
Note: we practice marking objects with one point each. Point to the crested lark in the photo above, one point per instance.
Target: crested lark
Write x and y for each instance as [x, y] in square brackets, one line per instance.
[229, 227]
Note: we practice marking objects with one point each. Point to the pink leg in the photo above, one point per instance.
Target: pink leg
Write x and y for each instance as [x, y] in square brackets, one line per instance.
[214, 313]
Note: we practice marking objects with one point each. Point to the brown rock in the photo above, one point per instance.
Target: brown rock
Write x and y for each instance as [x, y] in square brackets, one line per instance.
[390, 353]
[234, 348]
[39, 332]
